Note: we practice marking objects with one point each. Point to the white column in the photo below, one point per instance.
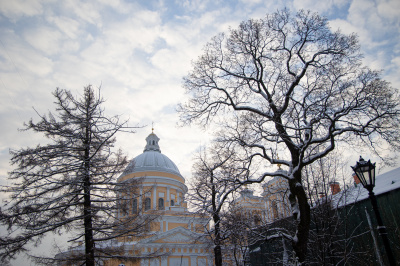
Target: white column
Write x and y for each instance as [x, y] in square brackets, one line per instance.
[154, 197]
[119, 205]
[140, 199]
[265, 212]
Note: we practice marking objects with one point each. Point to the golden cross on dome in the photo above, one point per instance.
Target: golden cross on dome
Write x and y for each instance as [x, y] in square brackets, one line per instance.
[152, 127]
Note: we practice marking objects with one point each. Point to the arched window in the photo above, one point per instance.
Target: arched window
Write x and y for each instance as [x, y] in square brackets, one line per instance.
[134, 206]
[147, 204]
[154, 142]
[172, 202]
[161, 204]
[123, 207]
[275, 210]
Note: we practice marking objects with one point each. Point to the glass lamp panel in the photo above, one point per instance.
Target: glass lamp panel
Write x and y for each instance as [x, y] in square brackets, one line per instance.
[361, 176]
[373, 174]
[369, 173]
[367, 176]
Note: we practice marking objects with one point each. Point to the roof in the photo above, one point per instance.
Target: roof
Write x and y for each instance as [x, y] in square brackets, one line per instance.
[383, 183]
[152, 160]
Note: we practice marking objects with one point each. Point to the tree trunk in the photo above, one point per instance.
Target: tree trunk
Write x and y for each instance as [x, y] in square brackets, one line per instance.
[89, 244]
[87, 212]
[298, 198]
[217, 248]
[218, 255]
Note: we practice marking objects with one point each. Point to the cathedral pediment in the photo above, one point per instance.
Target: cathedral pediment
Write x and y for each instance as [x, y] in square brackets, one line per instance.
[178, 238]
[177, 235]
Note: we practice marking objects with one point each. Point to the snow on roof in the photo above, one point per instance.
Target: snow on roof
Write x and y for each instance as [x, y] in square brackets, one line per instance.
[383, 183]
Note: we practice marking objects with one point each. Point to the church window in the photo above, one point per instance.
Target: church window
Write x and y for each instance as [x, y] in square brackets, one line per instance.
[147, 204]
[161, 204]
[257, 219]
[134, 206]
[123, 207]
[172, 202]
[275, 209]
[154, 142]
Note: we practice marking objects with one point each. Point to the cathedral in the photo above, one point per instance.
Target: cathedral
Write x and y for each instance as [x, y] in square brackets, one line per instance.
[177, 236]
[177, 232]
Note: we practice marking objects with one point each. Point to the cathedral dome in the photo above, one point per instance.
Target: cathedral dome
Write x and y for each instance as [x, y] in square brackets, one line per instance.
[152, 160]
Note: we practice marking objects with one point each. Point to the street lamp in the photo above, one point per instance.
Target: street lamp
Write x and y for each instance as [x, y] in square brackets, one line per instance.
[365, 172]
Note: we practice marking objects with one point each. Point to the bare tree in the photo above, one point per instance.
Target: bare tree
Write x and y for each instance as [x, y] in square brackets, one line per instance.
[241, 226]
[70, 182]
[331, 236]
[286, 84]
[212, 188]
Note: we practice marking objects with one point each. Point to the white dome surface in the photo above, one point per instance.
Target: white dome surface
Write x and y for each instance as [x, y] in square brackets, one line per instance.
[152, 160]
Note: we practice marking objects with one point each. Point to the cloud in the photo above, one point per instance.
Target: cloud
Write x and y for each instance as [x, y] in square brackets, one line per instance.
[45, 39]
[20, 58]
[378, 33]
[368, 15]
[86, 11]
[16, 9]
[250, 2]
[319, 6]
[67, 26]
[389, 9]
[138, 52]
[196, 5]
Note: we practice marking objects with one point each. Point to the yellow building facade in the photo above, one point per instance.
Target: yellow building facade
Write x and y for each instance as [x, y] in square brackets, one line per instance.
[176, 233]
[273, 204]
[176, 236]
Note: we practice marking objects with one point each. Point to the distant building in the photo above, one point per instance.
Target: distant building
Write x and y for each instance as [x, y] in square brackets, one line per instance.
[273, 204]
[177, 234]
[253, 213]
[276, 199]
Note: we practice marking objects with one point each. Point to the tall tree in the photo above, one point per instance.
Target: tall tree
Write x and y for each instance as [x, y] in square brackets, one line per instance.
[212, 190]
[69, 183]
[287, 84]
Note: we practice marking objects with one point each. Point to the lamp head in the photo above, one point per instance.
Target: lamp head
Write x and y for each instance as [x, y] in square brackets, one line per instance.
[365, 171]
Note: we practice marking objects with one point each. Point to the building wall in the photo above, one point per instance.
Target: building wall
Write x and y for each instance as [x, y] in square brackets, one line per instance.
[172, 217]
[272, 205]
[347, 232]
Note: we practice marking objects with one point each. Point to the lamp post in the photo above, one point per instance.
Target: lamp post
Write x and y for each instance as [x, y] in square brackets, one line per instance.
[365, 172]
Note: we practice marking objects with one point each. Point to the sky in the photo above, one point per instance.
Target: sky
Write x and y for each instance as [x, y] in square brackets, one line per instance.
[139, 51]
